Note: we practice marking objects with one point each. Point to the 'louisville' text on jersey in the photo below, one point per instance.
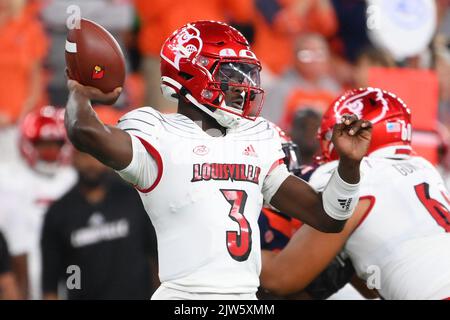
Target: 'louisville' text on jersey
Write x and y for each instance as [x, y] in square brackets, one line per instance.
[225, 171]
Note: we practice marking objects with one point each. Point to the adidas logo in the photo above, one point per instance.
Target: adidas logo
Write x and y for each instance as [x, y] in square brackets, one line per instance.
[345, 203]
[250, 151]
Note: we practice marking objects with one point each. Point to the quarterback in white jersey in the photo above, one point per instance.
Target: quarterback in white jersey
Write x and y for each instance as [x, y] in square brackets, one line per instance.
[398, 239]
[29, 186]
[219, 180]
[203, 173]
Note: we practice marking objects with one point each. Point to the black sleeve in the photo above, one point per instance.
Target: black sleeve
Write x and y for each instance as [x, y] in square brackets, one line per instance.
[5, 259]
[52, 252]
[334, 277]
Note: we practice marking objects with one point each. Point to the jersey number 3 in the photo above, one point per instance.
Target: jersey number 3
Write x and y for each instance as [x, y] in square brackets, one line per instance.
[438, 211]
[239, 244]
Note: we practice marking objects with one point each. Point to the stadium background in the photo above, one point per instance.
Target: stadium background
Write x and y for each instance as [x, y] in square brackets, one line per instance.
[311, 51]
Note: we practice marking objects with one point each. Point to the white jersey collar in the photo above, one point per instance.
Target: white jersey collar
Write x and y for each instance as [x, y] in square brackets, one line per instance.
[393, 152]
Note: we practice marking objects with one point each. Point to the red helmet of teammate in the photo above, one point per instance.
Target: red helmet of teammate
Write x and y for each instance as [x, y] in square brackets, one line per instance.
[390, 117]
[211, 65]
[43, 141]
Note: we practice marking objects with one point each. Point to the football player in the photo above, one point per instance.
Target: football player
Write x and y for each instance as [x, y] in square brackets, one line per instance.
[276, 229]
[28, 187]
[398, 238]
[204, 172]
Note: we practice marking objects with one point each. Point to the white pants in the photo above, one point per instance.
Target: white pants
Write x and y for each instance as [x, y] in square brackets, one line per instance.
[165, 293]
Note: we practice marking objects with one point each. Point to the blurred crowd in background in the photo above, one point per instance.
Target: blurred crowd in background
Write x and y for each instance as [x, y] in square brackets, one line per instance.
[57, 212]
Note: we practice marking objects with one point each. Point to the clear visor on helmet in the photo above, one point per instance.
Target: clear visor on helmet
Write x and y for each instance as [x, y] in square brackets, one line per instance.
[240, 84]
[239, 73]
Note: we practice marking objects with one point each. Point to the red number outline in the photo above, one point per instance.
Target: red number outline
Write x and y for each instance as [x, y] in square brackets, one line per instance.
[438, 211]
[239, 244]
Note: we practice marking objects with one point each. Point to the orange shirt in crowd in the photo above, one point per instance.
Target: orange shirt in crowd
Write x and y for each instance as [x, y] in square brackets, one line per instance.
[109, 115]
[22, 44]
[318, 100]
[274, 43]
[160, 18]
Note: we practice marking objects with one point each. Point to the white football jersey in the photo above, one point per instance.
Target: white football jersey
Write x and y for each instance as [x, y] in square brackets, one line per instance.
[25, 196]
[404, 239]
[207, 198]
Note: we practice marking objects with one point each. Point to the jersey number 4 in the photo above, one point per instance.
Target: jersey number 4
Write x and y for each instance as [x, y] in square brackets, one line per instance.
[438, 211]
[239, 244]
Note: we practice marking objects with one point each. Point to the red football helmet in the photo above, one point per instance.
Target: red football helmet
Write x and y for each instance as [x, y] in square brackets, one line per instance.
[211, 65]
[390, 117]
[41, 126]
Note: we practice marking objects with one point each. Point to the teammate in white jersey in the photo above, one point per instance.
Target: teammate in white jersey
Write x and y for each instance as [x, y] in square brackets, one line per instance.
[204, 172]
[28, 187]
[398, 239]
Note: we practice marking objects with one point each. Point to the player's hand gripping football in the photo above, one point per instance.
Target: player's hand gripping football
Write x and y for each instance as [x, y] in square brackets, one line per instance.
[93, 93]
[351, 137]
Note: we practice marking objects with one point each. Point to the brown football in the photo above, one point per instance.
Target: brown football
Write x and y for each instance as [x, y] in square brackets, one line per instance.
[94, 58]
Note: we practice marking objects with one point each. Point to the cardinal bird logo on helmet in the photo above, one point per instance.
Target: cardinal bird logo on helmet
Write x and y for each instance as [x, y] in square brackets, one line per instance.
[390, 117]
[355, 105]
[183, 44]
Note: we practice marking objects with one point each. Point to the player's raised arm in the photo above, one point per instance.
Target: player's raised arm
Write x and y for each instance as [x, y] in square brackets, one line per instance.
[110, 145]
[95, 60]
[328, 211]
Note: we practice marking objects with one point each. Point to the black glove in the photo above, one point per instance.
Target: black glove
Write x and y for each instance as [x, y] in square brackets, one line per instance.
[334, 277]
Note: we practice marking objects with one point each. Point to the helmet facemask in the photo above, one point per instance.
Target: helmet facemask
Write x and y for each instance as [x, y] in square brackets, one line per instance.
[238, 88]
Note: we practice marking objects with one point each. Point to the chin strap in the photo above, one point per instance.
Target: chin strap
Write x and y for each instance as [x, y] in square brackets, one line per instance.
[223, 118]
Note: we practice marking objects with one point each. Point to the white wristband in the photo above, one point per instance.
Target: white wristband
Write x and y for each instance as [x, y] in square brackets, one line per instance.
[339, 197]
